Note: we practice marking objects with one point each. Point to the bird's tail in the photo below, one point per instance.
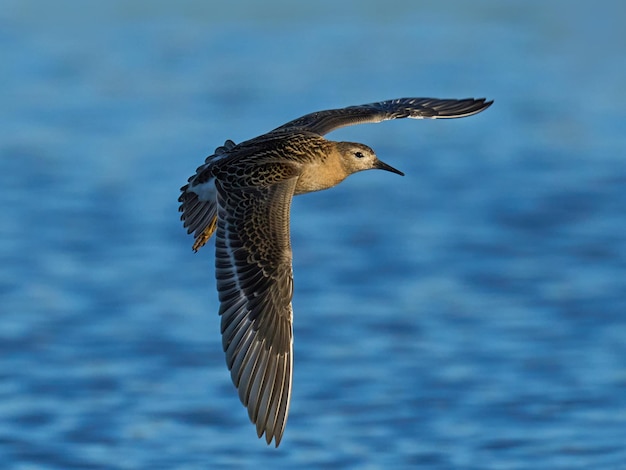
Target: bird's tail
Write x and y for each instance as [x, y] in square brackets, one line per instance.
[198, 200]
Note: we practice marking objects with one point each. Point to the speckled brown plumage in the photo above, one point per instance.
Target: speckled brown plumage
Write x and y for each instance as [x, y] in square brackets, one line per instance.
[243, 193]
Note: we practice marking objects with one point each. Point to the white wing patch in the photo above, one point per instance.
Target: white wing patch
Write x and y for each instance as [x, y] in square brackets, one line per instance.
[205, 191]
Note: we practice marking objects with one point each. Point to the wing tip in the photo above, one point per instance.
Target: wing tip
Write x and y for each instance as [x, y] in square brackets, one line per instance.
[475, 106]
[458, 108]
[485, 103]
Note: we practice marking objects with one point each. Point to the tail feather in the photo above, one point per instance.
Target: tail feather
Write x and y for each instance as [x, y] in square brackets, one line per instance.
[199, 217]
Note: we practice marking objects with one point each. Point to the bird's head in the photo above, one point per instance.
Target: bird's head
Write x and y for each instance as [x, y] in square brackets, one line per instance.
[358, 157]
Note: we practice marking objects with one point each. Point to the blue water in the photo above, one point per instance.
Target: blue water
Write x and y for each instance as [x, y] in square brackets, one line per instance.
[471, 315]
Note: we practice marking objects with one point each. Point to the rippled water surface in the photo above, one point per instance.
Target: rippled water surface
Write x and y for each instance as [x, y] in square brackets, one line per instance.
[470, 315]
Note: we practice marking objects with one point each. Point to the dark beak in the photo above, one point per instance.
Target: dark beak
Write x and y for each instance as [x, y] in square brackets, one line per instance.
[383, 166]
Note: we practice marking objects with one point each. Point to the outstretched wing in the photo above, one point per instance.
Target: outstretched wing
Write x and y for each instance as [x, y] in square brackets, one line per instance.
[323, 122]
[255, 285]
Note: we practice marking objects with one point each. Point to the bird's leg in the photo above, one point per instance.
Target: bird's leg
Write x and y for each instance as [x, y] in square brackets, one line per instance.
[205, 235]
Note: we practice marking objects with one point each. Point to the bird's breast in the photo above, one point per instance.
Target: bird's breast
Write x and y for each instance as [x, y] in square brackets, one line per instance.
[316, 177]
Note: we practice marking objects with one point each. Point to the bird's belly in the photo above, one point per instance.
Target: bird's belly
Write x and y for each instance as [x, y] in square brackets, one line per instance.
[316, 178]
[310, 185]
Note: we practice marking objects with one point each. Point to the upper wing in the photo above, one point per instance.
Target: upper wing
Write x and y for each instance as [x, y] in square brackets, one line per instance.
[255, 285]
[323, 122]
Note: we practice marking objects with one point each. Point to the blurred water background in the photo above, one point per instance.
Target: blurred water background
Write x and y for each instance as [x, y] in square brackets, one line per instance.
[470, 315]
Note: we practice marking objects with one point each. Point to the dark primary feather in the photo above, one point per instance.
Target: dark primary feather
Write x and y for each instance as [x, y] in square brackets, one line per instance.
[323, 122]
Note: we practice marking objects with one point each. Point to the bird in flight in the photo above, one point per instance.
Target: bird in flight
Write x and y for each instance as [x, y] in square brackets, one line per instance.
[243, 193]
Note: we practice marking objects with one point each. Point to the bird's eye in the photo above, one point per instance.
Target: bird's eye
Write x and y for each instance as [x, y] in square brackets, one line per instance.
[358, 154]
